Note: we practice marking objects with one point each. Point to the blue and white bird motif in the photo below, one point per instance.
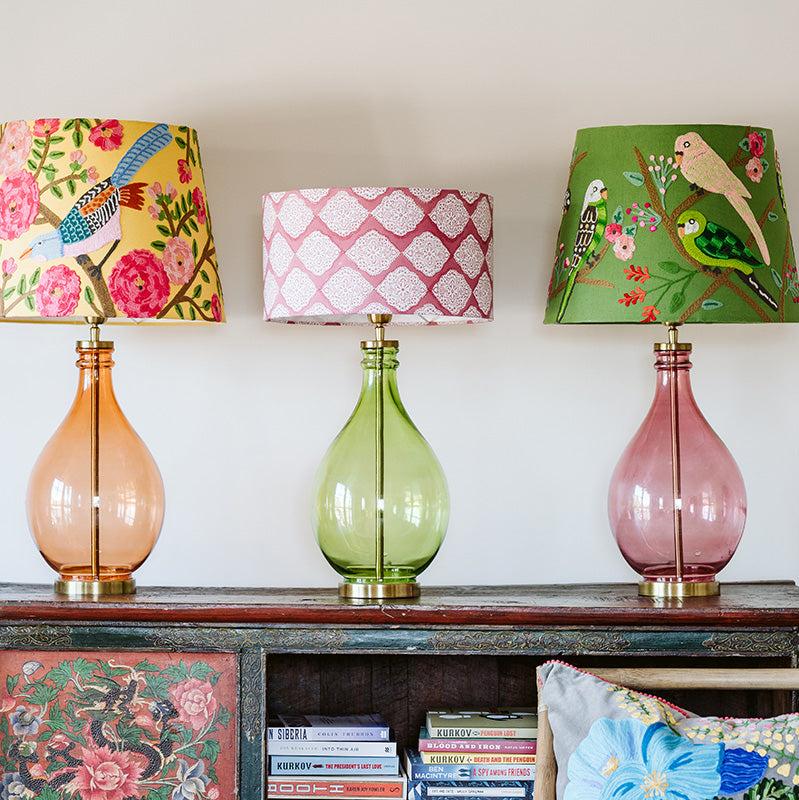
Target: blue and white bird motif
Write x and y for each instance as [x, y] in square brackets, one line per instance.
[94, 220]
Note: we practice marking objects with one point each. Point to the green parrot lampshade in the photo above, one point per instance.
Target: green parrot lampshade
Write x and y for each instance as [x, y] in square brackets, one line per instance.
[675, 224]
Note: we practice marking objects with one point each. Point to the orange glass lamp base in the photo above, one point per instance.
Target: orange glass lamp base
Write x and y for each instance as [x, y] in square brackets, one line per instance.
[91, 589]
[95, 497]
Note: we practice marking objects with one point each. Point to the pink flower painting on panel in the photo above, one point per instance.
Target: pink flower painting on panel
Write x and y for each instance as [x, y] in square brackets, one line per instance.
[195, 702]
[118, 725]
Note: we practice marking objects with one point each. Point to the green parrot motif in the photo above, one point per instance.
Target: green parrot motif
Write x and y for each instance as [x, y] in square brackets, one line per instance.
[593, 219]
[716, 247]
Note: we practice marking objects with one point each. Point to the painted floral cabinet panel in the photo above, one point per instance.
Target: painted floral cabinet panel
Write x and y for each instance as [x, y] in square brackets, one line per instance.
[116, 726]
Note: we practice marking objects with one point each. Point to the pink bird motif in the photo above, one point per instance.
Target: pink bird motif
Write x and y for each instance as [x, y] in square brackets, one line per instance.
[702, 166]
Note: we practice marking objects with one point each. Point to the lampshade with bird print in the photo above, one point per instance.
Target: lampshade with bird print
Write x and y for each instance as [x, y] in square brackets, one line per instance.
[101, 220]
[343, 256]
[105, 218]
[674, 224]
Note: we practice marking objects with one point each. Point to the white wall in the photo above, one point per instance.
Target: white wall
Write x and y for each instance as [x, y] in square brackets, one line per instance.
[528, 421]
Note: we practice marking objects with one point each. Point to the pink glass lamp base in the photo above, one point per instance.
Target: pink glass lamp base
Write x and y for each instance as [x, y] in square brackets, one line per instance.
[677, 502]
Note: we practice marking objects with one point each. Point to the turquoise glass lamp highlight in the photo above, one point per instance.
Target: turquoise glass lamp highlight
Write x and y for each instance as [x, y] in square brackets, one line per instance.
[414, 256]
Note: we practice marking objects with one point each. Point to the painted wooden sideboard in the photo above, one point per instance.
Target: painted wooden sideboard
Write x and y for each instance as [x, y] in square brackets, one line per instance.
[187, 655]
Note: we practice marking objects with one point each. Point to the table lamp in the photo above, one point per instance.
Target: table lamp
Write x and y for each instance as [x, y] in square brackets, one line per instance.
[375, 255]
[674, 224]
[101, 220]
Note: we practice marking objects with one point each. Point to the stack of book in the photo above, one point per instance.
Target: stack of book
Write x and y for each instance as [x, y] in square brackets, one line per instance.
[333, 757]
[474, 754]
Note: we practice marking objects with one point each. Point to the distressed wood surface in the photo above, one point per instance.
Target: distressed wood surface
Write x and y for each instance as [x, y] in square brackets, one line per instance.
[759, 605]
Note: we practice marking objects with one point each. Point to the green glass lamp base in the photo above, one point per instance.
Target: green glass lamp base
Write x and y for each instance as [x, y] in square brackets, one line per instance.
[379, 591]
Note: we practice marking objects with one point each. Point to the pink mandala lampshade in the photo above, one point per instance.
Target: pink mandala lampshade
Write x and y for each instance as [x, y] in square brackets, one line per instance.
[337, 255]
[407, 255]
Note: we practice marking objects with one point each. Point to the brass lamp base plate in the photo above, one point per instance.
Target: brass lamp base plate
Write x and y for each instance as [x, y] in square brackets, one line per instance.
[677, 590]
[80, 589]
[379, 591]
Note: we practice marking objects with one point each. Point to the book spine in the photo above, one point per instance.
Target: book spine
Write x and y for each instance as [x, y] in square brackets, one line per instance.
[470, 772]
[281, 765]
[324, 788]
[477, 758]
[286, 733]
[482, 733]
[422, 790]
[279, 747]
[477, 746]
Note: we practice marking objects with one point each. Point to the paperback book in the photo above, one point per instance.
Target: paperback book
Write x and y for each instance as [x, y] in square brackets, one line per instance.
[288, 765]
[501, 723]
[427, 744]
[512, 790]
[417, 770]
[476, 758]
[355, 728]
[374, 786]
[287, 747]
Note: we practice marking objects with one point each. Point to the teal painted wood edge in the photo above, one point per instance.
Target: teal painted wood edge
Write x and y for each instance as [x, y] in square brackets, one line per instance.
[252, 732]
[489, 640]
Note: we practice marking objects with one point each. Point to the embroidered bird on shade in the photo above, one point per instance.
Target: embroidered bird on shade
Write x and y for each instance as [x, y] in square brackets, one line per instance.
[94, 220]
[696, 228]
[105, 218]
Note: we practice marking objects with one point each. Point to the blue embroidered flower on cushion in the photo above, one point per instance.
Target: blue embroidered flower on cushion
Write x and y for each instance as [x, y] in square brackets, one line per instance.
[609, 744]
[627, 760]
[741, 769]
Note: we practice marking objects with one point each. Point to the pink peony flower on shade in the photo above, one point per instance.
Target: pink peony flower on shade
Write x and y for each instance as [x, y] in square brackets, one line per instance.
[178, 260]
[107, 135]
[756, 144]
[14, 146]
[754, 170]
[45, 127]
[624, 247]
[154, 212]
[155, 190]
[58, 292]
[139, 284]
[195, 702]
[613, 231]
[77, 157]
[171, 192]
[92, 175]
[184, 170]
[19, 204]
[106, 774]
[199, 204]
[9, 266]
[216, 307]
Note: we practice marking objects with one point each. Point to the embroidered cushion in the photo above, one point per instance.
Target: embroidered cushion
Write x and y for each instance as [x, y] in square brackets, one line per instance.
[613, 743]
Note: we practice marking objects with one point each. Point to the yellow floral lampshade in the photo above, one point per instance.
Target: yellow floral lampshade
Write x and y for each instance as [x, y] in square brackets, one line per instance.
[105, 218]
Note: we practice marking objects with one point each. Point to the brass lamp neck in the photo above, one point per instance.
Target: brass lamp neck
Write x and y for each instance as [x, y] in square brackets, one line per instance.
[379, 342]
[673, 345]
[94, 342]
